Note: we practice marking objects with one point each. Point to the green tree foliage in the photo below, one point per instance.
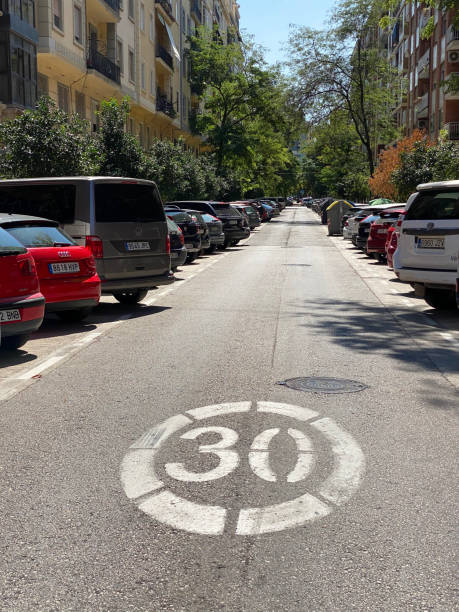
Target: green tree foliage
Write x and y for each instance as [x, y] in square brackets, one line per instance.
[333, 162]
[245, 112]
[424, 163]
[391, 6]
[46, 142]
[342, 69]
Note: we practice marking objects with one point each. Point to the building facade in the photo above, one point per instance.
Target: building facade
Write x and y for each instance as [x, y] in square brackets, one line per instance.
[425, 67]
[80, 52]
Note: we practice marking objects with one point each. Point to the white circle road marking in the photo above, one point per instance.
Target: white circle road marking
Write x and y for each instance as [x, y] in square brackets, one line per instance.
[141, 483]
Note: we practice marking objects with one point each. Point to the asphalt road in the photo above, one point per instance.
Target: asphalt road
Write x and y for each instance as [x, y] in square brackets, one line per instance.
[273, 499]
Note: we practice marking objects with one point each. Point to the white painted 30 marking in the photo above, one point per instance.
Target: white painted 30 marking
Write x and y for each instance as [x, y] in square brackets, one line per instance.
[141, 482]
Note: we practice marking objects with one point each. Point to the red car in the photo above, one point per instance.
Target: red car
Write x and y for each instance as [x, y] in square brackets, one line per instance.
[378, 231]
[66, 271]
[391, 246]
[22, 306]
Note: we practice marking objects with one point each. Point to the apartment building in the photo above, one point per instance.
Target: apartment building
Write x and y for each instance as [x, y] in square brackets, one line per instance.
[425, 66]
[80, 52]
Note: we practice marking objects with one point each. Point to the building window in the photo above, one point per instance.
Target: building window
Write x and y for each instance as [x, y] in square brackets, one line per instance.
[152, 83]
[57, 15]
[42, 85]
[152, 28]
[94, 115]
[131, 66]
[141, 136]
[131, 9]
[63, 98]
[131, 126]
[142, 76]
[78, 24]
[22, 9]
[147, 138]
[119, 55]
[142, 17]
[23, 71]
[80, 105]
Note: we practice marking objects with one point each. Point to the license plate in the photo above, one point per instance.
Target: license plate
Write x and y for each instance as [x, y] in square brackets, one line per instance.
[188, 246]
[137, 246]
[64, 268]
[430, 243]
[10, 315]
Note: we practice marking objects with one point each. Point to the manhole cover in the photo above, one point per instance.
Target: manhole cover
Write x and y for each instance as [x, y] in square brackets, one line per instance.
[321, 384]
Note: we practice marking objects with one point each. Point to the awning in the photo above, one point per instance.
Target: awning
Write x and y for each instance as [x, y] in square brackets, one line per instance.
[171, 38]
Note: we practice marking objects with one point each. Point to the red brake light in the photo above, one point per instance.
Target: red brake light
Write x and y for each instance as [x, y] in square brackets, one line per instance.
[168, 244]
[27, 267]
[96, 246]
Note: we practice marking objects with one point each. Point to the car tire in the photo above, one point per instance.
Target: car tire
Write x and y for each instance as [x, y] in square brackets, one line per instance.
[440, 299]
[174, 268]
[130, 297]
[11, 343]
[211, 249]
[191, 257]
[73, 316]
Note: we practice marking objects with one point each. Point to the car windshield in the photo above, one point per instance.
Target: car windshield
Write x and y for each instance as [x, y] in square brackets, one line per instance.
[249, 209]
[434, 205]
[223, 210]
[9, 245]
[34, 236]
[127, 202]
[209, 218]
[171, 226]
[179, 216]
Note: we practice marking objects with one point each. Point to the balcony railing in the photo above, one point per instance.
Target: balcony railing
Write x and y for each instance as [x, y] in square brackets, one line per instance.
[114, 5]
[167, 6]
[196, 9]
[423, 64]
[163, 54]
[164, 106]
[453, 34]
[453, 130]
[104, 65]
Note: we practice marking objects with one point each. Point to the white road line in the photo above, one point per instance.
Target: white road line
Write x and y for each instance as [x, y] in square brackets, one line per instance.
[184, 514]
[349, 463]
[138, 475]
[296, 412]
[254, 521]
[205, 412]
[156, 436]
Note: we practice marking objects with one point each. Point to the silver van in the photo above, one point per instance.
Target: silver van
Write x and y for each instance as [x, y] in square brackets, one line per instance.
[121, 220]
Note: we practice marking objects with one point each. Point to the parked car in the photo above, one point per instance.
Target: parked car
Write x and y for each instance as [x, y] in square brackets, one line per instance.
[203, 230]
[251, 212]
[361, 238]
[66, 271]
[120, 220]
[376, 244]
[230, 217]
[190, 231]
[268, 211]
[274, 205]
[279, 200]
[178, 248]
[391, 246]
[22, 305]
[216, 233]
[428, 245]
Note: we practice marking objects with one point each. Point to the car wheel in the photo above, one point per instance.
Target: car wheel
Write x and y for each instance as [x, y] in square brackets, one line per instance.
[191, 257]
[440, 299]
[73, 316]
[211, 249]
[11, 343]
[131, 297]
[174, 268]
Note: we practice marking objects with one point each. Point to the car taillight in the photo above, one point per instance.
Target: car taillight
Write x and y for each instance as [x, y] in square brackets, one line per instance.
[180, 234]
[96, 246]
[27, 267]
[168, 244]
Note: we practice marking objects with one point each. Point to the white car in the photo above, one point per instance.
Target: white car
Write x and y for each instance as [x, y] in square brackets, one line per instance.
[428, 245]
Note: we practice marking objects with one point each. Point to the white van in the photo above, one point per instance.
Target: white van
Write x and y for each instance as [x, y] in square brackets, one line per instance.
[428, 245]
[121, 220]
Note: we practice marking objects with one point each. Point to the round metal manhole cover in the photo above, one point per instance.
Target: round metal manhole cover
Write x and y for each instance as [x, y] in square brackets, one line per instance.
[321, 384]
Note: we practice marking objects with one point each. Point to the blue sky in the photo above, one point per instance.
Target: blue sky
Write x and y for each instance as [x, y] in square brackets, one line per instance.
[268, 20]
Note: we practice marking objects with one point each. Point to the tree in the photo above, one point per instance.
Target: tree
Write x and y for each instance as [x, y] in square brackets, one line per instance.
[342, 69]
[46, 142]
[381, 183]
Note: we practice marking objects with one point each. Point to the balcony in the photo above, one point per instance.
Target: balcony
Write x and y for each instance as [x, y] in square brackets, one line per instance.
[196, 13]
[452, 39]
[422, 107]
[424, 66]
[104, 65]
[452, 93]
[165, 8]
[164, 106]
[104, 11]
[453, 130]
[165, 56]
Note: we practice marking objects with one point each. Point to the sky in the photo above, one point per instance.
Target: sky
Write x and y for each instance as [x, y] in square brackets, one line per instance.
[268, 20]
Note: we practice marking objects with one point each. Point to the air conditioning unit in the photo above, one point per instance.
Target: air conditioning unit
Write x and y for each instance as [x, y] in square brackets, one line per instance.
[453, 57]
